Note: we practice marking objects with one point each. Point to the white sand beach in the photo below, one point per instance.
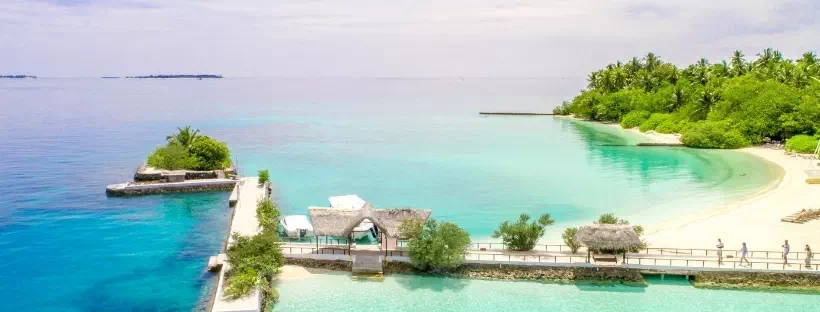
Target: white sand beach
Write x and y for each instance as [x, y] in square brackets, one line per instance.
[754, 219]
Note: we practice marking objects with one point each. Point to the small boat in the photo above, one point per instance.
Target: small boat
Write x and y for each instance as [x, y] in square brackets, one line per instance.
[365, 229]
[296, 226]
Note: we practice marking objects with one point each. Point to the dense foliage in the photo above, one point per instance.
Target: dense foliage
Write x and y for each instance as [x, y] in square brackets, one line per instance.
[721, 105]
[521, 235]
[264, 176]
[438, 246]
[255, 260]
[569, 239]
[186, 149]
[802, 143]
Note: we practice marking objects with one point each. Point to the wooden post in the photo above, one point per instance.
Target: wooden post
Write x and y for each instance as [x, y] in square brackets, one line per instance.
[588, 255]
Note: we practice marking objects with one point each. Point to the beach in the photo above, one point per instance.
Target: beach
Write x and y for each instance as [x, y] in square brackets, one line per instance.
[754, 219]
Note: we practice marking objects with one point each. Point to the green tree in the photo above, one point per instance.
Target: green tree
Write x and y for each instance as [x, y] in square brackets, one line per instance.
[184, 136]
[410, 228]
[522, 235]
[438, 246]
[171, 157]
[264, 176]
[254, 262]
[268, 214]
[210, 154]
[569, 239]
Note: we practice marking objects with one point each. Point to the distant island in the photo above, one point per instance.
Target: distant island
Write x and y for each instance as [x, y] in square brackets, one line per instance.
[176, 77]
[110, 77]
[17, 76]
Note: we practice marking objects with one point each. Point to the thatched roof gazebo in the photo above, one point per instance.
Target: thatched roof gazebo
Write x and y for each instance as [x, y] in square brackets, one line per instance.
[608, 238]
[341, 222]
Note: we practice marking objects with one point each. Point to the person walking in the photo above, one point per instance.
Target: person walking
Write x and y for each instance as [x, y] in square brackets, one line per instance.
[786, 252]
[808, 256]
[720, 251]
[743, 251]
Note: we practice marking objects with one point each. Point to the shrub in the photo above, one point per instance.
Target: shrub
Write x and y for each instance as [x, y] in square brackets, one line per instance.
[714, 134]
[268, 214]
[670, 126]
[171, 157]
[264, 176]
[569, 239]
[634, 119]
[802, 143]
[210, 154]
[438, 246]
[654, 121]
[410, 228]
[522, 236]
[254, 261]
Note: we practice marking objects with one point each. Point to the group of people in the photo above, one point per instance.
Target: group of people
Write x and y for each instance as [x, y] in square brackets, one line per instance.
[743, 251]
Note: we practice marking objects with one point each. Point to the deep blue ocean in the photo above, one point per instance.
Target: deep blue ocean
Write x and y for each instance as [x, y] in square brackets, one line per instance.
[65, 246]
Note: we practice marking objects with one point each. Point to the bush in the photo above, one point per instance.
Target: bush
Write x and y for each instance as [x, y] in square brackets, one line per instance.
[669, 126]
[254, 261]
[802, 144]
[264, 176]
[438, 246]
[210, 154]
[171, 157]
[522, 236]
[569, 239]
[268, 215]
[714, 134]
[634, 119]
[654, 121]
[410, 228]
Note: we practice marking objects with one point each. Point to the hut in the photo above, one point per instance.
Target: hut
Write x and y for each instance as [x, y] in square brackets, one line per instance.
[608, 238]
[341, 222]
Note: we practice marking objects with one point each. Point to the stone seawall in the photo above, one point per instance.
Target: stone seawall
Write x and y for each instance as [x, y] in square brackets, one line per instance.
[334, 265]
[163, 188]
[507, 272]
[763, 281]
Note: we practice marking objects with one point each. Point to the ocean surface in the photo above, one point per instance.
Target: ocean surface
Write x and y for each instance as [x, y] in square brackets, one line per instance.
[395, 142]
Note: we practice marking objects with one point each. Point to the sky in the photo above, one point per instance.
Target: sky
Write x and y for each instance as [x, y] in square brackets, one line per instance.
[396, 38]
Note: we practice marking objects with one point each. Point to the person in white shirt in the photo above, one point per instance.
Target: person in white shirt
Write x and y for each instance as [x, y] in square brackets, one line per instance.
[786, 252]
[720, 251]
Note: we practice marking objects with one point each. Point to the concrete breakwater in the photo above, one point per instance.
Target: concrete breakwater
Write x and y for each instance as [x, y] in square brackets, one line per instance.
[133, 189]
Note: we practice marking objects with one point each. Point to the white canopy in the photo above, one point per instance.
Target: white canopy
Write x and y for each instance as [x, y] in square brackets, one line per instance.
[298, 222]
[346, 202]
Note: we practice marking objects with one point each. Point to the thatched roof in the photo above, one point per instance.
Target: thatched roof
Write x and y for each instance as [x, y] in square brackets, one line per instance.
[608, 237]
[341, 222]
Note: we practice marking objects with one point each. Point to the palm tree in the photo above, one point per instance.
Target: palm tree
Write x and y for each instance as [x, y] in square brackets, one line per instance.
[184, 137]
[738, 63]
[652, 61]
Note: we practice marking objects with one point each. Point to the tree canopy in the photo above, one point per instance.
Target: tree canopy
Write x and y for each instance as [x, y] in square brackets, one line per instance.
[521, 235]
[187, 149]
[437, 246]
[728, 104]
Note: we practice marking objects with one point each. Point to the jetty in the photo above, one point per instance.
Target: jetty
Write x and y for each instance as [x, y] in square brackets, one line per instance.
[149, 180]
[515, 114]
[244, 222]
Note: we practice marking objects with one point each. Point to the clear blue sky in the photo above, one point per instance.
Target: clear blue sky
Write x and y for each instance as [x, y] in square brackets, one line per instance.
[378, 38]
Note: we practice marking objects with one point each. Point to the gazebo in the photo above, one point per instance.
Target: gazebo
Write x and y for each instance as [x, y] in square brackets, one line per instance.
[340, 222]
[608, 238]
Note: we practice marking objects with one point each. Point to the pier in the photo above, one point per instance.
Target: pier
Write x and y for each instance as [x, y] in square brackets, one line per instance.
[248, 191]
[201, 185]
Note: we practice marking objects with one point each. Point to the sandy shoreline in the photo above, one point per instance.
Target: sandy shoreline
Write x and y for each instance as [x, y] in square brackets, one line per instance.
[754, 219]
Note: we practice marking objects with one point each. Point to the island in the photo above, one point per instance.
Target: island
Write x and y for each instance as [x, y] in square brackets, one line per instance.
[199, 76]
[17, 77]
[110, 77]
[189, 162]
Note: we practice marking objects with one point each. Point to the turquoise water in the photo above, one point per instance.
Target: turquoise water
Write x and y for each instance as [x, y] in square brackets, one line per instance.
[414, 293]
[418, 143]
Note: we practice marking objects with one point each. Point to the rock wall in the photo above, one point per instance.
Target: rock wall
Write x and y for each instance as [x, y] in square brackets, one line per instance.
[335, 265]
[142, 176]
[770, 281]
[558, 274]
[163, 189]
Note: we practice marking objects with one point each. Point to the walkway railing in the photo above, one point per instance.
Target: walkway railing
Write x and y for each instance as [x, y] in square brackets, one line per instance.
[724, 264]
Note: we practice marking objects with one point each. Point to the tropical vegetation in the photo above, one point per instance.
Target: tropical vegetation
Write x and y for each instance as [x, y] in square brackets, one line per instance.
[435, 246]
[728, 104]
[255, 260]
[187, 149]
[264, 176]
[802, 143]
[521, 235]
[569, 239]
